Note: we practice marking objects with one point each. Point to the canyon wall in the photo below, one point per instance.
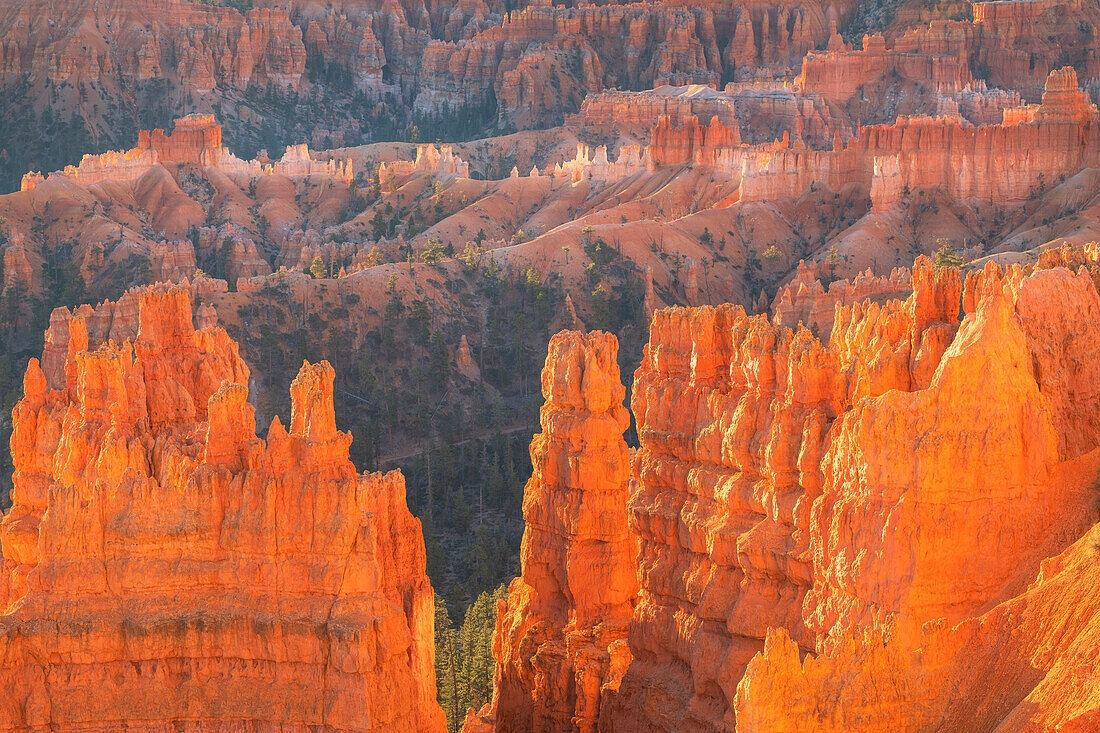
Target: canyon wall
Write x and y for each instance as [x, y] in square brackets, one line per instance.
[1000, 655]
[161, 563]
[798, 498]
[840, 71]
[201, 45]
[1005, 162]
[532, 62]
[1009, 161]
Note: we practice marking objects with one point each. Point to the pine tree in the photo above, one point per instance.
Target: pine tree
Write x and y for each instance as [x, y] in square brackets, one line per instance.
[446, 665]
[946, 256]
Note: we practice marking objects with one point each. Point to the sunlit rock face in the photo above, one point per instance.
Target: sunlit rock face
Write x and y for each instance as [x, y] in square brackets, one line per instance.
[164, 567]
[980, 498]
[916, 467]
[829, 533]
[559, 643]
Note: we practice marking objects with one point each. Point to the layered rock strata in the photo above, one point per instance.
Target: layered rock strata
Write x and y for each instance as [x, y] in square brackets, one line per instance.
[1009, 161]
[559, 643]
[161, 563]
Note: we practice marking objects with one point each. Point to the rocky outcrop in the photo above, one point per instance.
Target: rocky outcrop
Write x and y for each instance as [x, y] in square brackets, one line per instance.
[708, 143]
[858, 503]
[196, 140]
[1005, 162]
[644, 109]
[1009, 161]
[442, 162]
[768, 110]
[806, 300]
[161, 563]
[1026, 474]
[559, 643]
[589, 164]
[839, 72]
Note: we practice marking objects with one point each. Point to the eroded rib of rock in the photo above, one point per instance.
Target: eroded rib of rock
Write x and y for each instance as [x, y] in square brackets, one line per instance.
[161, 563]
[914, 468]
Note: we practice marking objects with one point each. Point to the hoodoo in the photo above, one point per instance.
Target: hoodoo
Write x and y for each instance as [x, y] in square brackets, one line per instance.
[161, 563]
[559, 643]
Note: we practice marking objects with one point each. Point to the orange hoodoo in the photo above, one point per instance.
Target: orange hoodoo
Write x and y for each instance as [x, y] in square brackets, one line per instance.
[161, 563]
[560, 643]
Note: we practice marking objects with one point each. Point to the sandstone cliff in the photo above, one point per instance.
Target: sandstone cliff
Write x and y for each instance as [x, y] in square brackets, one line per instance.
[559, 643]
[161, 563]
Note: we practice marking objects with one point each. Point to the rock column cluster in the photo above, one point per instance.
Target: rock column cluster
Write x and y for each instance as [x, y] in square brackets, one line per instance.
[161, 563]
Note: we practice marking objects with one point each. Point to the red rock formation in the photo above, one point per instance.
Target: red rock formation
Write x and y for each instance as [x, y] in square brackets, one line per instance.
[355, 47]
[767, 110]
[17, 267]
[644, 109]
[558, 643]
[807, 301]
[783, 483]
[203, 45]
[690, 142]
[837, 74]
[171, 261]
[464, 361]
[1001, 162]
[529, 60]
[162, 564]
[1020, 455]
[196, 139]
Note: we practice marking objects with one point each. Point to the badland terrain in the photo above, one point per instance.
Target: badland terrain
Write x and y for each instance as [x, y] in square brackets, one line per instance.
[710, 367]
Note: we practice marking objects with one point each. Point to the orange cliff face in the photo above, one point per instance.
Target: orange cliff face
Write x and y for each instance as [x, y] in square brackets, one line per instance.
[818, 487]
[162, 564]
[799, 499]
[1014, 648]
[559, 642]
[196, 139]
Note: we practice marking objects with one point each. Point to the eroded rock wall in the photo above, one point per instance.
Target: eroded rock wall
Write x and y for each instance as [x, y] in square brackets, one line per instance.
[161, 563]
[1006, 649]
[859, 503]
